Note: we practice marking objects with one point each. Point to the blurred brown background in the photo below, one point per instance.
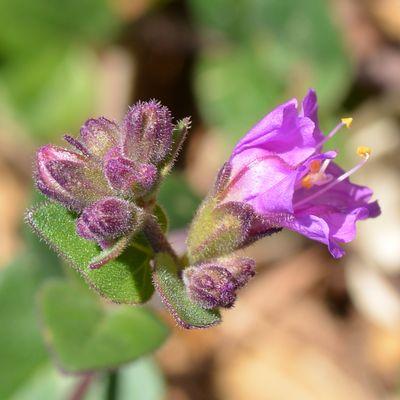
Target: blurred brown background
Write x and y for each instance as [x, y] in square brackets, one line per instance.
[307, 327]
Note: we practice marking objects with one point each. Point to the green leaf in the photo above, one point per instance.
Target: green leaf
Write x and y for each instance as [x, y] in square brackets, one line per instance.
[141, 380]
[126, 279]
[85, 336]
[22, 352]
[46, 383]
[187, 313]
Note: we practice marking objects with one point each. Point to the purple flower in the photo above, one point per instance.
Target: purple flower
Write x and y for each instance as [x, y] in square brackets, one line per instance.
[280, 170]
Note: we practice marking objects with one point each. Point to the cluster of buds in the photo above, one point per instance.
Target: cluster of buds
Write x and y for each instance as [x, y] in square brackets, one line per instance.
[112, 171]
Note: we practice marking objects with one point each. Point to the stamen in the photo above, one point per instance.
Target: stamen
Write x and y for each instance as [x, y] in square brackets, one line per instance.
[315, 166]
[343, 122]
[347, 121]
[317, 175]
[324, 166]
[77, 144]
[362, 151]
[307, 182]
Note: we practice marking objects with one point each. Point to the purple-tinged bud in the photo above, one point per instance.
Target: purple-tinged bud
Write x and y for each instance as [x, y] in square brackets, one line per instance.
[215, 283]
[241, 268]
[147, 132]
[211, 285]
[64, 176]
[108, 219]
[98, 135]
[218, 230]
[128, 176]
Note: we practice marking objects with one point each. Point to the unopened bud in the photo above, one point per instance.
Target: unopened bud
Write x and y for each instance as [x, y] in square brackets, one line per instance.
[66, 177]
[98, 135]
[215, 283]
[128, 176]
[147, 132]
[107, 219]
[218, 230]
[241, 268]
[210, 285]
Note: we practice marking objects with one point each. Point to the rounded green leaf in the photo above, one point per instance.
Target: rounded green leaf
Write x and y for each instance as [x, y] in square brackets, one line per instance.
[84, 335]
[126, 279]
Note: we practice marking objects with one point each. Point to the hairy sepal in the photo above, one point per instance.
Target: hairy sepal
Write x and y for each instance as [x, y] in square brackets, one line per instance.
[187, 313]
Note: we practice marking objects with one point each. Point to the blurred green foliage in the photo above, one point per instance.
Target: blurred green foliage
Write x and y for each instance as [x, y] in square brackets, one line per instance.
[258, 53]
[22, 351]
[47, 60]
[179, 200]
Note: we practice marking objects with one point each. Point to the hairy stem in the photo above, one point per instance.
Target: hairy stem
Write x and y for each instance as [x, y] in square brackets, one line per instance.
[156, 237]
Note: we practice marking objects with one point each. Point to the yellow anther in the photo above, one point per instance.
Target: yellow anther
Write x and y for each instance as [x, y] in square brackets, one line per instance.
[347, 121]
[364, 151]
[306, 182]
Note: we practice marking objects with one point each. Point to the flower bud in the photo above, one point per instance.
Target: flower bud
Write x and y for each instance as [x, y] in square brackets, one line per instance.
[147, 132]
[128, 176]
[241, 268]
[220, 227]
[65, 176]
[98, 135]
[107, 219]
[217, 231]
[214, 284]
[210, 285]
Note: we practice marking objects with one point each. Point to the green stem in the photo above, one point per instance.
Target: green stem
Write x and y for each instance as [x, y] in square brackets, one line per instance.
[156, 237]
[112, 389]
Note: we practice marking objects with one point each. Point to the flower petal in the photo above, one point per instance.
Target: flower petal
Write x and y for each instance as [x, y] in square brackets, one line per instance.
[265, 182]
[283, 132]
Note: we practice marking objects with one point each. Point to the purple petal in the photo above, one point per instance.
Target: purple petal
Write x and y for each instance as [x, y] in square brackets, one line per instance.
[270, 123]
[288, 135]
[266, 183]
[310, 110]
[331, 217]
